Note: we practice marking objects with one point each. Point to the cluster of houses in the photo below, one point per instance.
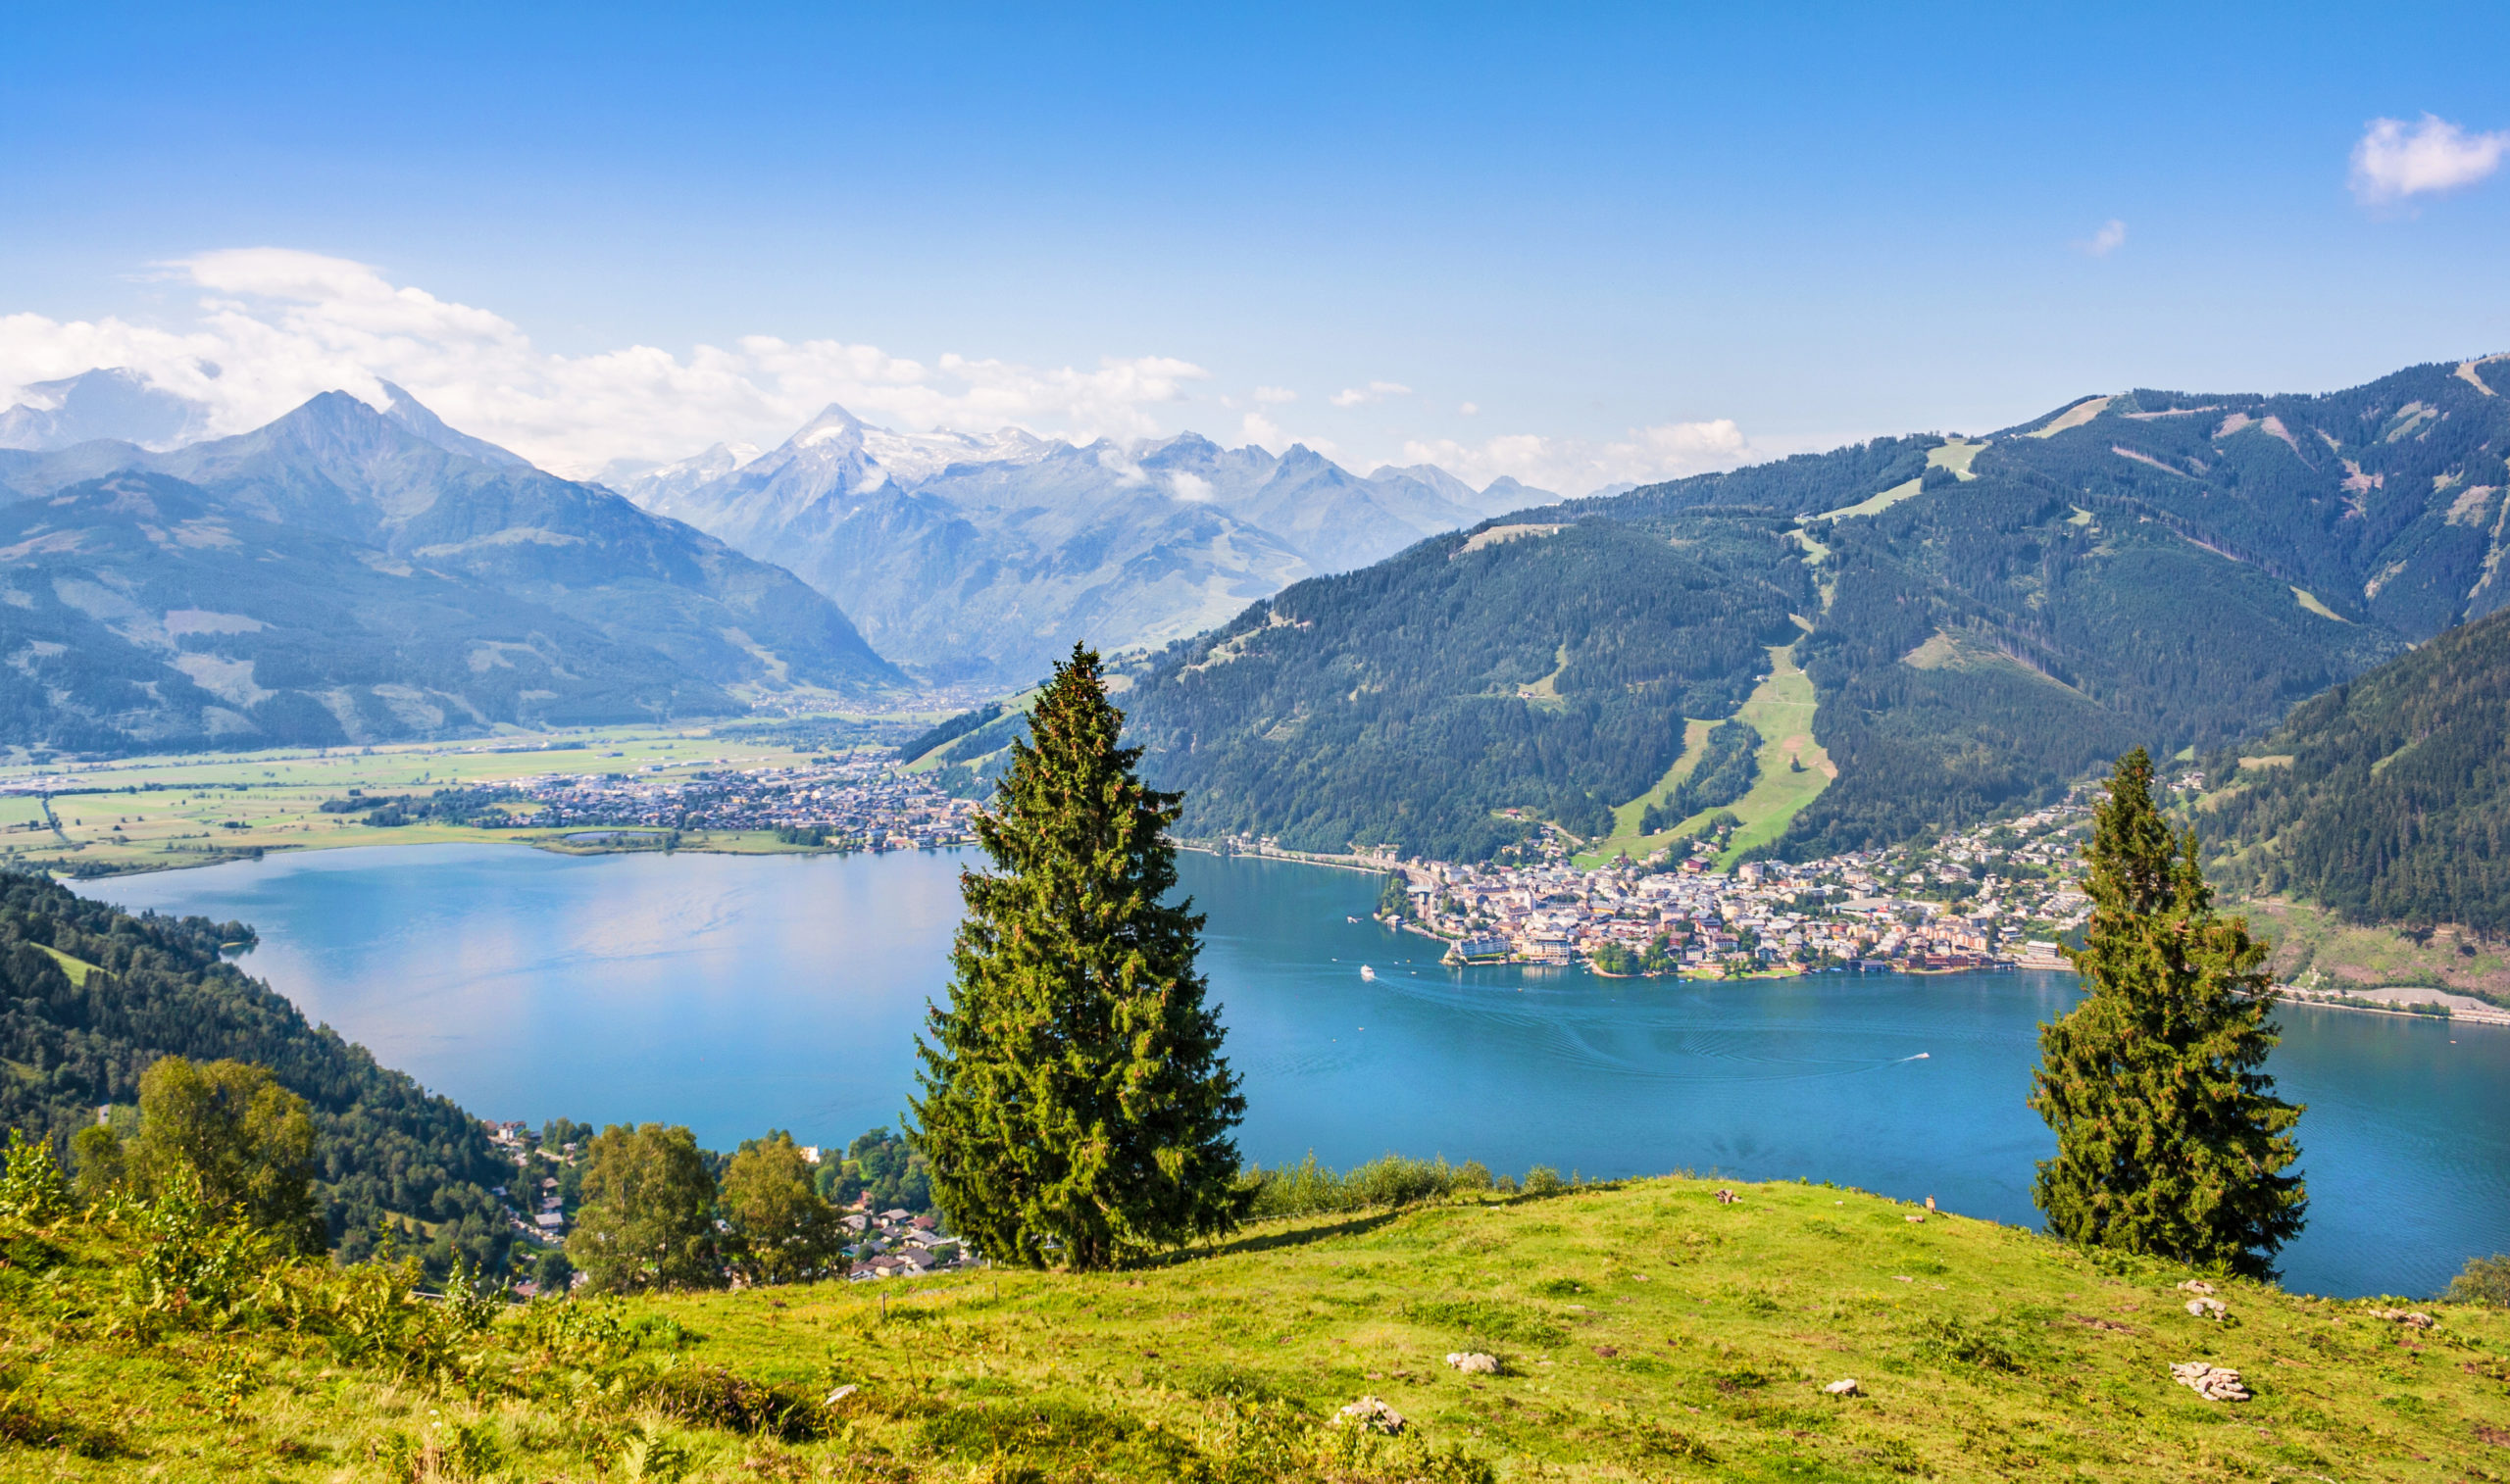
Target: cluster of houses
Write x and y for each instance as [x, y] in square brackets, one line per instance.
[898, 1244]
[533, 1203]
[1998, 896]
[851, 802]
[884, 1244]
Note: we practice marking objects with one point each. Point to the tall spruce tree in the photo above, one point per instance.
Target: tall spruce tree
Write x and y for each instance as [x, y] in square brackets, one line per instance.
[1076, 1109]
[2170, 1139]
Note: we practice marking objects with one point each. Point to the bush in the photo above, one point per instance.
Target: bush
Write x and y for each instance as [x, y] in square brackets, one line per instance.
[1308, 1189]
[2486, 1281]
[713, 1397]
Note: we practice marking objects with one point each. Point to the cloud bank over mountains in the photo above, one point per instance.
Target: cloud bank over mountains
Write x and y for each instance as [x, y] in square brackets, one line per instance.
[1574, 465]
[274, 327]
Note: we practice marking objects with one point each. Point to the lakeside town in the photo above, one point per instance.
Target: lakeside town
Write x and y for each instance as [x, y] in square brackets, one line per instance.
[850, 801]
[1997, 896]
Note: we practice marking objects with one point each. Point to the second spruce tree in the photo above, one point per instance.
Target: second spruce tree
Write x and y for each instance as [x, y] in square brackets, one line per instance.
[2170, 1139]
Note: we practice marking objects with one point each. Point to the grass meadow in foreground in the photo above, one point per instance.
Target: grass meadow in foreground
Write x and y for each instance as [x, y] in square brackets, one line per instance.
[1645, 1332]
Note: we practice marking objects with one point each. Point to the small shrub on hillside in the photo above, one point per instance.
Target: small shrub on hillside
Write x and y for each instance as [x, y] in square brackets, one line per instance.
[713, 1397]
[2486, 1281]
[32, 1186]
[1654, 1441]
[1308, 1189]
[1956, 1340]
[1543, 1180]
[651, 1456]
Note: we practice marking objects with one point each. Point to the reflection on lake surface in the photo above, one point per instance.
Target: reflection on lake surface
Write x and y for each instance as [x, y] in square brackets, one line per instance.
[736, 994]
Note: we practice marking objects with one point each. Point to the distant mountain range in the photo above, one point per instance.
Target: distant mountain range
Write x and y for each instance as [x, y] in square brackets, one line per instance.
[101, 404]
[973, 562]
[1983, 622]
[982, 559]
[349, 574]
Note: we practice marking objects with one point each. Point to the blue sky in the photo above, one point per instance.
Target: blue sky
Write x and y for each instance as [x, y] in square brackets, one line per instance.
[1814, 222]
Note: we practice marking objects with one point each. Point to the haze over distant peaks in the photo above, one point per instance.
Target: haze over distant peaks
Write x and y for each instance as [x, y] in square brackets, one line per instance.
[981, 559]
[107, 403]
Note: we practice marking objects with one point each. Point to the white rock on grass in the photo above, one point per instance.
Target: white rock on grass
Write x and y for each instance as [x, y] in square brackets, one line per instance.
[2212, 1382]
[1845, 1388]
[2208, 1309]
[1473, 1362]
[2195, 1285]
[1371, 1413]
[2411, 1320]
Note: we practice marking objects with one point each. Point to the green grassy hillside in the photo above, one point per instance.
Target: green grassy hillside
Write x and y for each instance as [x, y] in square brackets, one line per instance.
[1647, 1331]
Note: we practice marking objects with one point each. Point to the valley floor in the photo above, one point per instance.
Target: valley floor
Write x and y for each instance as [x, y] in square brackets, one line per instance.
[1645, 1331]
[599, 789]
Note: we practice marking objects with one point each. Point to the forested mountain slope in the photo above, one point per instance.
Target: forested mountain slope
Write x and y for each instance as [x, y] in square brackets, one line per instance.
[2389, 798]
[1985, 621]
[1530, 667]
[89, 995]
[347, 574]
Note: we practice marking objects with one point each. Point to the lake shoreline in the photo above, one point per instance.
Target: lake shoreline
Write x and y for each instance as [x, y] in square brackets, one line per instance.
[737, 995]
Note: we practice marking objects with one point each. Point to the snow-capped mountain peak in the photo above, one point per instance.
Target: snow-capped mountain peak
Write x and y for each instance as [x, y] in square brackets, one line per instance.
[980, 558]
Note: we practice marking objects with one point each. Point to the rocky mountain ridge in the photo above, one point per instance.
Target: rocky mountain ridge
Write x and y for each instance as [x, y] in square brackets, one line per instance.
[347, 574]
[980, 559]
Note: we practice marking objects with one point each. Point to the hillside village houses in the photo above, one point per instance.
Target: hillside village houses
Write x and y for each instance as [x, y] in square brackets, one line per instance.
[885, 1243]
[1992, 897]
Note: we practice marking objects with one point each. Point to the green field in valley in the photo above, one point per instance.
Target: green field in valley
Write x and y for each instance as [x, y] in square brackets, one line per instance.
[184, 809]
[1645, 1332]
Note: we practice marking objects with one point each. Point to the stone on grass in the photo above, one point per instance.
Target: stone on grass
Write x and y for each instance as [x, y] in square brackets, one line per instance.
[2411, 1320]
[2212, 1382]
[1473, 1362]
[2208, 1309]
[2195, 1285]
[1371, 1413]
[1845, 1388]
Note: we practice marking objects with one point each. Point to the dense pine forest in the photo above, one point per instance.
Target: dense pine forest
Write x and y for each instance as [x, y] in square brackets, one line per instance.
[89, 995]
[2388, 799]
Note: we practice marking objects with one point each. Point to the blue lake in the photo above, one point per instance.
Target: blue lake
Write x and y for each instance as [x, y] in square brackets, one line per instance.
[737, 994]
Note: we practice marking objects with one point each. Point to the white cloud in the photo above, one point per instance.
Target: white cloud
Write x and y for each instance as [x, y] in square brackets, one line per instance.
[1572, 466]
[2111, 238]
[272, 327]
[2394, 159]
[1374, 391]
[277, 326]
[1470, 409]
